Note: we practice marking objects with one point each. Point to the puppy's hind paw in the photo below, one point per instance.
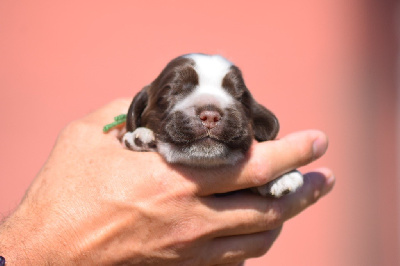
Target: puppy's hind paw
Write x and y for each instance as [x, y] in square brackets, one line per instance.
[285, 184]
[142, 139]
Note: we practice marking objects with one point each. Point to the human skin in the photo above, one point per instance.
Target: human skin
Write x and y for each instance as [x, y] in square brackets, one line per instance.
[95, 203]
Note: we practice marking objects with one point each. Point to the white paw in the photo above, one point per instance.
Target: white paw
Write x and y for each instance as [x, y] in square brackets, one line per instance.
[282, 185]
[142, 139]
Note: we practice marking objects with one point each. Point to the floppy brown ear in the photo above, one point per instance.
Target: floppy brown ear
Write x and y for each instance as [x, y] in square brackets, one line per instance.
[265, 123]
[135, 111]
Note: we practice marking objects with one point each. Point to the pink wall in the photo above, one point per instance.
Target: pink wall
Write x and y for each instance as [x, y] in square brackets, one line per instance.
[328, 65]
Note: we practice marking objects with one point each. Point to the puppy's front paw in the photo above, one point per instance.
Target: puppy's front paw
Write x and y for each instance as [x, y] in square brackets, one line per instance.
[282, 185]
[142, 139]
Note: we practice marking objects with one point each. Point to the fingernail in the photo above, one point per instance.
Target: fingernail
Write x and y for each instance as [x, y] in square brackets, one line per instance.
[319, 146]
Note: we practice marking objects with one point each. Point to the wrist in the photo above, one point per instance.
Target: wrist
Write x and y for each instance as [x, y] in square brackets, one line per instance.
[16, 242]
[25, 239]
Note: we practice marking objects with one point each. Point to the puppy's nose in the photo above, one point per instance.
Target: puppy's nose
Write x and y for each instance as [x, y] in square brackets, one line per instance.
[210, 118]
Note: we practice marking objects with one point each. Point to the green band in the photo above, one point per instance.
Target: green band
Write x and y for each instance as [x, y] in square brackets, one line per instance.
[117, 121]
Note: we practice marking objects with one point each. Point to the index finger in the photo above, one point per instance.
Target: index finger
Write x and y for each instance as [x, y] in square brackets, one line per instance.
[264, 162]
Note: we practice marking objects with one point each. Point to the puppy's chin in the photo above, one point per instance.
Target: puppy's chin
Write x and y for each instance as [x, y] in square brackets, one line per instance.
[204, 153]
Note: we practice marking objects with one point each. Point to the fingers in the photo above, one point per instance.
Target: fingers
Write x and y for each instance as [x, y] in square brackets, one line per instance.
[265, 161]
[288, 153]
[248, 213]
[316, 184]
[238, 248]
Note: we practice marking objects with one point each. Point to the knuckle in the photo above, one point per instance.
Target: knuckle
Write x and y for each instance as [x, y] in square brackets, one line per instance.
[72, 128]
[275, 214]
[190, 224]
[119, 104]
[189, 230]
[121, 101]
[77, 130]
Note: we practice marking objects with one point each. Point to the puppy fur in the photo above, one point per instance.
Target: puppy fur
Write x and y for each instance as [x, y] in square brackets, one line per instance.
[199, 112]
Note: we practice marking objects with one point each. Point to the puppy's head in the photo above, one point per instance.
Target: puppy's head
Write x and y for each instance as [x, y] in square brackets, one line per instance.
[201, 112]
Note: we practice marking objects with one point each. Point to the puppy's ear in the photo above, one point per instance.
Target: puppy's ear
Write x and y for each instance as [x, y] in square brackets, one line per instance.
[265, 123]
[135, 111]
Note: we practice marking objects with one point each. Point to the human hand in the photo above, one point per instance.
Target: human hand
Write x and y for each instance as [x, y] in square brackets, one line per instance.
[96, 203]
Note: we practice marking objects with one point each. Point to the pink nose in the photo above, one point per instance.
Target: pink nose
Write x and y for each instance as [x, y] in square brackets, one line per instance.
[210, 118]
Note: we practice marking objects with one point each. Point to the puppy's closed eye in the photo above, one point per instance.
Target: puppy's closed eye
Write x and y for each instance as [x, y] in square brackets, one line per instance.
[199, 112]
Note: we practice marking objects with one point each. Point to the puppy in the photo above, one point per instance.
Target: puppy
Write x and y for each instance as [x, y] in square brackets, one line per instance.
[199, 112]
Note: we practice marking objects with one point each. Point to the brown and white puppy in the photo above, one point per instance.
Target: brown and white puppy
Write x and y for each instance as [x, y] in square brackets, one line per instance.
[199, 112]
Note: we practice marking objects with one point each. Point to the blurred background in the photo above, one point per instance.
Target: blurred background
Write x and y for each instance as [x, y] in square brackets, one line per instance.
[329, 65]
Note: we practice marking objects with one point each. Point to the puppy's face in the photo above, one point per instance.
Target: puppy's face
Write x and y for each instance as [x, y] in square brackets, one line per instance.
[201, 112]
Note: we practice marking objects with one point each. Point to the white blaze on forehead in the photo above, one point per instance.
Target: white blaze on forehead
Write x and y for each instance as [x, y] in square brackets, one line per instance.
[211, 70]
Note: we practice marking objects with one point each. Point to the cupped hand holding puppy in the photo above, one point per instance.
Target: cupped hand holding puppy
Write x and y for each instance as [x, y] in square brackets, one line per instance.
[98, 204]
